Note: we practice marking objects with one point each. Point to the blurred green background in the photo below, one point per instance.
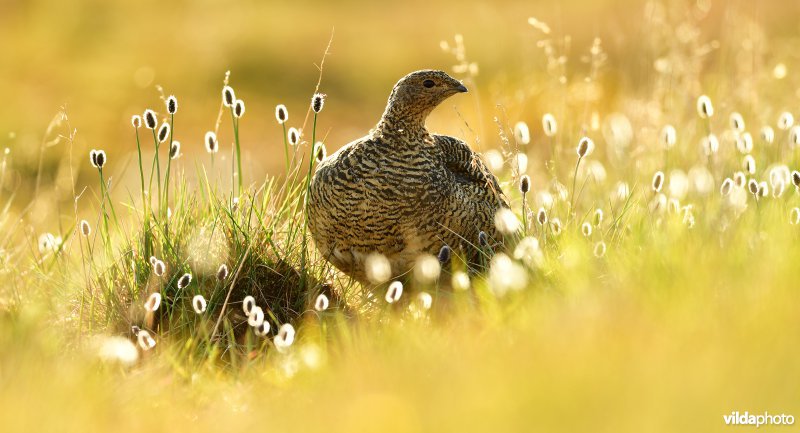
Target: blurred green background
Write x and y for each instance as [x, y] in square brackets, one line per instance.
[103, 59]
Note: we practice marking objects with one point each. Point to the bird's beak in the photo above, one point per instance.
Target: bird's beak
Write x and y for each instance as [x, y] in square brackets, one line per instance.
[461, 88]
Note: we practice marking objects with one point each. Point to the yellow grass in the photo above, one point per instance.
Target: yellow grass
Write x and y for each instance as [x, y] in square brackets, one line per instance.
[689, 315]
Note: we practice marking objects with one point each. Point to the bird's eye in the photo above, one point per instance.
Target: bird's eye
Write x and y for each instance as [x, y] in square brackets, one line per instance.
[428, 83]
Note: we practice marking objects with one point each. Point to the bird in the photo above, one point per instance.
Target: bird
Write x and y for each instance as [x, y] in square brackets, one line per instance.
[401, 191]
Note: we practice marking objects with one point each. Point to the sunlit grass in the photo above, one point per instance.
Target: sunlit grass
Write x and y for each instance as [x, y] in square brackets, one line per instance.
[647, 279]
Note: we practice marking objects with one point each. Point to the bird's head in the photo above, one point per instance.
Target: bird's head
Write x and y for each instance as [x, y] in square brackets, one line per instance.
[418, 93]
[426, 88]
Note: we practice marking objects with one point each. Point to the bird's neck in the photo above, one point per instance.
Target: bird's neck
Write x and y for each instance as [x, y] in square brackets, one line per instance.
[405, 120]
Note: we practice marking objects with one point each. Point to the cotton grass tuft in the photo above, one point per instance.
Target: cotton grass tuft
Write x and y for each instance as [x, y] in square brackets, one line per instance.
[394, 292]
[199, 304]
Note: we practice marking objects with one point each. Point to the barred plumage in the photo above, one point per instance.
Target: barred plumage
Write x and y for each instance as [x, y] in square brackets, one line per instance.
[401, 191]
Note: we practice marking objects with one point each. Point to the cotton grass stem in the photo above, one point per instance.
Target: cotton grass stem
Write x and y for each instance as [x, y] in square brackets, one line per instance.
[169, 164]
[304, 251]
[238, 150]
[106, 233]
[574, 182]
[157, 171]
[285, 148]
[145, 212]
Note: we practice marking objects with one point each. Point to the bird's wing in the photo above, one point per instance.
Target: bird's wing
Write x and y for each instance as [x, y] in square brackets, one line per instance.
[466, 164]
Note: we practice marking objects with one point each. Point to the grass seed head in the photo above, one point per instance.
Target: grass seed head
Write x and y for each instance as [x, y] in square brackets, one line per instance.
[172, 104]
[93, 158]
[136, 121]
[425, 300]
[506, 275]
[285, 337]
[394, 292]
[238, 109]
[281, 114]
[598, 217]
[624, 190]
[150, 119]
[668, 136]
[524, 184]
[522, 133]
[522, 162]
[752, 186]
[318, 102]
[658, 181]
[541, 216]
[263, 329]
[506, 222]
[163, 132]
[321, 303]
[117, 350]
[794, 216]
[228, 96]
[494, 159]
[768, 134]
[674, 205]
[779, 173]
[222, 272]
[153, 302]
[586, 229]
[744, 143]
[57, 242]
[796, 178]
[294, 136]
[528, 252]
[555, 226]
[97, 158]
[600, 249]
[377, 268]
[460, 281]
[184, 280]
[86, 229]
[100, 159]
[726, 187]
[585, 147]
[175, 150]
[212, 145]
[47, 243]
[199, 304]
[256, 317]
[704, 107]
[749, 164]
[763, 189]
[710, 144]
[320, 152]
[785, 121]
[146, 341]
[659, 203]
[740, 179]
[778, 188]
[737, 122]
[794, 136]
[427, 269]
[247, 304]
[549, 125]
